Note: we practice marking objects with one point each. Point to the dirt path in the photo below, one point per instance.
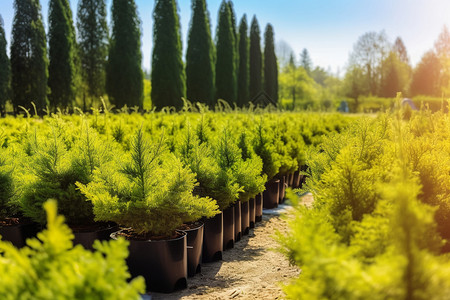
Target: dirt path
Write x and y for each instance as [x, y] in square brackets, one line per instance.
[251, 270]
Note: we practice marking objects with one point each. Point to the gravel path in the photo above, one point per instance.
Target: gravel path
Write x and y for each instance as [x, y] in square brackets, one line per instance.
[251, 270]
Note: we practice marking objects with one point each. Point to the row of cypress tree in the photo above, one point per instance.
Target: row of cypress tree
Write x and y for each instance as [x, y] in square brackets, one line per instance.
[81, 64]
[88, 62]
[230, 69]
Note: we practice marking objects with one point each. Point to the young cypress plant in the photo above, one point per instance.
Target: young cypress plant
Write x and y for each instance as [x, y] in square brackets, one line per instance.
[214, 181]
[5, 70]
[149, 190]
[93, 48]
[8, 208]
[62, 52]
[56, 270]
[270, 65]
[255, 58]
[168, 75]
[263, 145]
[200, 57]
[59, 161]
[243, 71]
[28, 56]
[124, 76]
[226, 56]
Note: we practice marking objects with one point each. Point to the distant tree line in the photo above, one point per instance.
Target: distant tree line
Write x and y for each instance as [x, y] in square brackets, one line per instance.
[376, 69]
[78, 64]
[379, 68]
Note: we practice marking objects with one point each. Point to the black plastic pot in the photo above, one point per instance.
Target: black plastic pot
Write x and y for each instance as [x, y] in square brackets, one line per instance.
[271, 194]
[18, 234]
[237, 221]
[296, 181]
[228, 228]
[163, 264]
[245, 217]
[282, 192]
[251, 210]
[194, 249]
[213, 239]
[86, 239]
[259, 207]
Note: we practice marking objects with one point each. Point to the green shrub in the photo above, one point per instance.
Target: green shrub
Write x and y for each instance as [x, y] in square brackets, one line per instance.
[214, 181]
[58, 162]
[8, 208]
[264, 148]
[51, 268]
[148, 190]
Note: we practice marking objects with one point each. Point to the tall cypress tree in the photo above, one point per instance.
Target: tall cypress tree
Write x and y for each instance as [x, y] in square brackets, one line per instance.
[124, 76]
[226, 56]
[200, 56]
[255, 59]
[28, 56]
[5, 70]
[62, 51]
[270, 64]
[168, 75]
[243, 71]
[93, 47]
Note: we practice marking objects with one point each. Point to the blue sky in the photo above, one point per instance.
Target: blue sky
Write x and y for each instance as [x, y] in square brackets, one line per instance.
[327, 28]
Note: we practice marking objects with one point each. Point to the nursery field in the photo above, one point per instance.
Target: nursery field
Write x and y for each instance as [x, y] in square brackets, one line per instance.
[183, 194]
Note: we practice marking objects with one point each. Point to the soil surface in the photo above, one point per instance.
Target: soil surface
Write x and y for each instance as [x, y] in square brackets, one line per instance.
[253, 269]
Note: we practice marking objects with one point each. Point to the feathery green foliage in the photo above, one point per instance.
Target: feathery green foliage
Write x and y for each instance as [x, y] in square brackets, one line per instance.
[93, 48]
[226, 56]
[255, 59]
[8, 207]
[28, 56]
[270, 64]
[57, 167]
[200, 57]
[51, 268]
[149, 191]
[243, 71]
[264, 148]
[5, 70]
[124, 76]
[168, 75]
[62, 52]
[377, 214]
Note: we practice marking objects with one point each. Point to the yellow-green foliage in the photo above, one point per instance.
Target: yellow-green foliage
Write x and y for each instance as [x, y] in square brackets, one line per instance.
[51, 268]
[380, 213]
[149, 190]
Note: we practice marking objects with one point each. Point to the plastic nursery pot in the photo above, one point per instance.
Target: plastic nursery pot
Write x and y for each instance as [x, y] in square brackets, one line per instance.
[212, 238]
[259, 207]
[194, 247]
[271, 194]
[237, 221]
[245, 217]
[296, 181]
[228, 228]
[100, 232]
[251, 211]
[162, 263]
[18, 234]
[282, 192]
[289, 180]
